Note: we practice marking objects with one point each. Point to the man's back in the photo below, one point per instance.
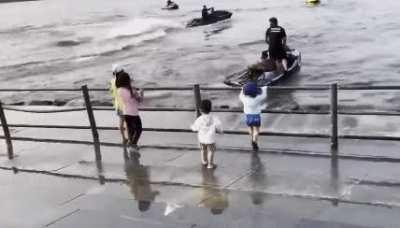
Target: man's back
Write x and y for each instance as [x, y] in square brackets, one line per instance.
[274, 37]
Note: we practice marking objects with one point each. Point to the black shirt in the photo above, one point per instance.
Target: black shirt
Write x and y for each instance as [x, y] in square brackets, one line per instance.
[275, 36]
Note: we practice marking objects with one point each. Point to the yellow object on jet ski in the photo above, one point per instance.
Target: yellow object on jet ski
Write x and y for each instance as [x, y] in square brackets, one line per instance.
[312, 1]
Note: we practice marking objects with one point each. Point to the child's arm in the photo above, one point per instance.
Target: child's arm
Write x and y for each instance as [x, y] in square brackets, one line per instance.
[138, 94]
[195, 126]
[261, 99]
[264, 91]
[218, 126]
[241, 95]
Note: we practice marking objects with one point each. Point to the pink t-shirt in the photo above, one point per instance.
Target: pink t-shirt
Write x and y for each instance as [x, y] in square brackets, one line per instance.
[130, 105]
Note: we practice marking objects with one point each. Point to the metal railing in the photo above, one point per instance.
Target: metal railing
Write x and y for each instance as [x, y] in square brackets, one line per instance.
[196, 89]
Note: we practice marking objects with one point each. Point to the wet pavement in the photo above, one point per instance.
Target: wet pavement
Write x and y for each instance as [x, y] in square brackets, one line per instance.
[60, 185]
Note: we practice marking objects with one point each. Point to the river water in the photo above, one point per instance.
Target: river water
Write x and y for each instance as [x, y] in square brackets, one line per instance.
[68, 43]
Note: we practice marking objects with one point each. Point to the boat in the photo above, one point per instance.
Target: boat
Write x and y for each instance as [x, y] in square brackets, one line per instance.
[268, 76]
[215, 16]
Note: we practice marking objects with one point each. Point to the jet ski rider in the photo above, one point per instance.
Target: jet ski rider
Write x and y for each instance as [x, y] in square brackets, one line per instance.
[171, 4]
[204, 12]
[275, 37]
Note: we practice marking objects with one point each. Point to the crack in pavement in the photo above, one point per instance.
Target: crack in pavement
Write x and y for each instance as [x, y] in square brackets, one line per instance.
[62, 217]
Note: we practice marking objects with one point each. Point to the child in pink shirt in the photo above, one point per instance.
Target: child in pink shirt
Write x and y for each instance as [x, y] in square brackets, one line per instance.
[130, 99]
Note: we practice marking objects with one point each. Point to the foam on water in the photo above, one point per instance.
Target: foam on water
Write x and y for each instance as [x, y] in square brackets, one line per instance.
[142, 27]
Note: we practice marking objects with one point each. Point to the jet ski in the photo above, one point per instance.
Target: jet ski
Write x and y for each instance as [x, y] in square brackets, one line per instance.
[216, 16]
[312, 1]
[173, 6]
[267, 74]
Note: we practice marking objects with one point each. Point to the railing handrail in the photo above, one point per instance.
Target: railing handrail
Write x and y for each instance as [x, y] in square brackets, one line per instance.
[216, 110]
[311, 87]
[165, 88]
[333, 89]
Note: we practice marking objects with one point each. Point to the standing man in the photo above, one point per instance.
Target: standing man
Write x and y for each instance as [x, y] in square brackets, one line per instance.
[276, 39]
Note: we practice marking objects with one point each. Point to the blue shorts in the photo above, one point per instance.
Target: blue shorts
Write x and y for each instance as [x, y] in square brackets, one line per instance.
[253, 120]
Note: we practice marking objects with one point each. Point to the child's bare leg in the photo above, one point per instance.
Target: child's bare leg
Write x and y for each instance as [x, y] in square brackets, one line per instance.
[284, 64]
[279, 66]
[256, 132]
[251, 132]
[210, 156]
[254, 138]
[203, 152]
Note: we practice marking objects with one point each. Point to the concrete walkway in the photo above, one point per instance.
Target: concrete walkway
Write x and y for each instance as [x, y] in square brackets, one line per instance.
[60, 185]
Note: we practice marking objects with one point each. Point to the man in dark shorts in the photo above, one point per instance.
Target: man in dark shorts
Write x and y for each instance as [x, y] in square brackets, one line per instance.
[276, 39]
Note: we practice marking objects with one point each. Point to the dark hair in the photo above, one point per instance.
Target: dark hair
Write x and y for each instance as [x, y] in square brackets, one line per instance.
[257, 198]
[273, 20]
[205, 106]
[144, 205]
[123, 80]
[217, 211]
[254, 73]
[265, 54]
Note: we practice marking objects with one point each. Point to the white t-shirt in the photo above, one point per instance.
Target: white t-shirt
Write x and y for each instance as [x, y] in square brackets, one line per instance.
[254, 105]
[207, 126]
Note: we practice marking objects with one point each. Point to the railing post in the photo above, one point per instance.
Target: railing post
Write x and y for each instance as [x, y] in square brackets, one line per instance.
[334, 119]
[92, 121]
[197, 98]
[10, 150]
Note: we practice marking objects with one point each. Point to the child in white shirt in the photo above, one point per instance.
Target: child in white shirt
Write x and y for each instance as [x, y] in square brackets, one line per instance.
[207, 126]
[253, 99]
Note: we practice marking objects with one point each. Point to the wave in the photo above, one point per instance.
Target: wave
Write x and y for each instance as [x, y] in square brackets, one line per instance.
[23, 64]
[106, 50]
[251, 43]
[143, 26]
[261, 9]
[122, 37]
[20, 29]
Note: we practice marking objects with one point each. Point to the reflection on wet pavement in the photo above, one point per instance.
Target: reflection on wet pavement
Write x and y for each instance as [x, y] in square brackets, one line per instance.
[258, 178]
[139, 182]
[335, 183]
[213, 198]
